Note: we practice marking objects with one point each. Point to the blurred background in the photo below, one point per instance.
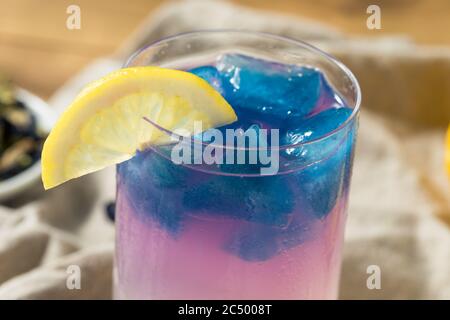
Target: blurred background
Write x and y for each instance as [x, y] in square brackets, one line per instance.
[39, 53]
[399, 212]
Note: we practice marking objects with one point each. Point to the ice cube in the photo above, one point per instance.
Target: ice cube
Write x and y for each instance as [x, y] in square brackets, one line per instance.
[259, 242]
[269, 88]
[212, 76]
[320, 186]
[153, 186]
[250, 152]
[166, 208]
[299, 132]
[253, 243]
[163, 172]
[327, 160]
[267, 200]
[322, 183]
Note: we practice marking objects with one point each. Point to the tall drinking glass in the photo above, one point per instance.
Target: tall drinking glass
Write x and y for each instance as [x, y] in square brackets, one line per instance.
[230, 231]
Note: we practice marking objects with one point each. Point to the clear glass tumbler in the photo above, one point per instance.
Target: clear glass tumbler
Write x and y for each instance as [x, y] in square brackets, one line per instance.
[193, 231]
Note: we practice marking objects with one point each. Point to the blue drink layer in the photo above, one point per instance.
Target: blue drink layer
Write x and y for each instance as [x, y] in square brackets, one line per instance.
[275, 211]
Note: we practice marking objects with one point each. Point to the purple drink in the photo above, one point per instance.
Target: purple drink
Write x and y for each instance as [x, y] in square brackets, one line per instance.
[224, 231]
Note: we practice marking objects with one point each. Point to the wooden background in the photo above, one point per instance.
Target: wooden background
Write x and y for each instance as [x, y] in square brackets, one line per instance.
[40, 53]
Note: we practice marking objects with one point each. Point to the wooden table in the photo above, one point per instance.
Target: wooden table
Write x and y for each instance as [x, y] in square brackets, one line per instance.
[40, 53]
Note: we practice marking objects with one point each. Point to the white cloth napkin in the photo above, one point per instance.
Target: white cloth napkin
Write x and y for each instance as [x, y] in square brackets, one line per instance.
[399, 202]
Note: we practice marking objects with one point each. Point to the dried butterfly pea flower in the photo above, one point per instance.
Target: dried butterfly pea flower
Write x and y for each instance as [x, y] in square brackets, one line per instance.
[20, 139]
[6, 91]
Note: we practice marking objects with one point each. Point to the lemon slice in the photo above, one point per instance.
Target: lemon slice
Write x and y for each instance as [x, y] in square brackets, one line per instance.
[105, 126]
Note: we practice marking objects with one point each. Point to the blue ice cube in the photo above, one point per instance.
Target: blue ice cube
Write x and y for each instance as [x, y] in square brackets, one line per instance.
[259, 242]
[212, 76]
[249, 153]
[269, 201]
[324, 182]
[321, 182]
[300, 131]
[166, 209]
[313, 128]
[151, 168]
[320, 186]
[266, 200]
[253, 243]
[163, 172]
[269, 88]
[153, 185]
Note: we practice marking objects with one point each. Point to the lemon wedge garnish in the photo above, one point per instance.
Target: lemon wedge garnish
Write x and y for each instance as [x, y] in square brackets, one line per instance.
[104, 125]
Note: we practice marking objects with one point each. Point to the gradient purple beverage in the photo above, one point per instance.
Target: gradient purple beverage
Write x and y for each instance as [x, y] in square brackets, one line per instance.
[226, 232]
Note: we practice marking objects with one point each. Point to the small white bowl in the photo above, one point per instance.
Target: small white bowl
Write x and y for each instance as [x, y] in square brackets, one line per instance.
[45, 118]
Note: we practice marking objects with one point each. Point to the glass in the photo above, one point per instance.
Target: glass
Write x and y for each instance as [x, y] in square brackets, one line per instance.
[205, 247]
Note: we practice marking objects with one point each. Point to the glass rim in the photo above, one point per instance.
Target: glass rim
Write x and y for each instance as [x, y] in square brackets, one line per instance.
[299, 43]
